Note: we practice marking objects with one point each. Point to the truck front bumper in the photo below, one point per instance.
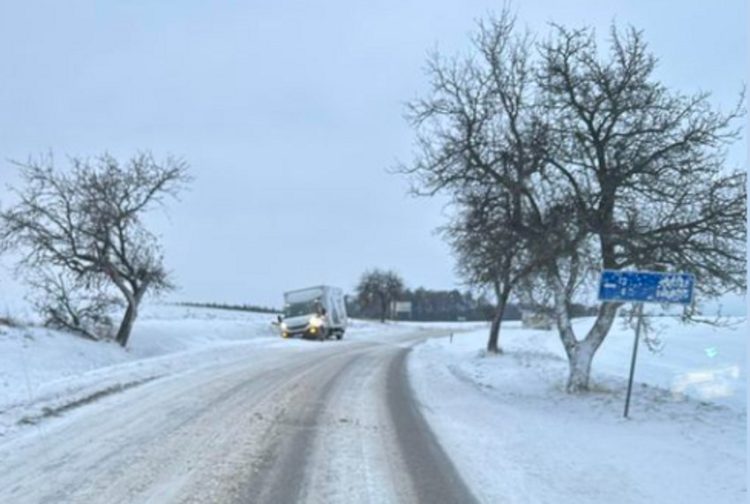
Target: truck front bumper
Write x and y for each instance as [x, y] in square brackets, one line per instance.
[305, 332]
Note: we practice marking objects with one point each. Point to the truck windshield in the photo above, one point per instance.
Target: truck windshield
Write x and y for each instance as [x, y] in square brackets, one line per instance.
[302, 308]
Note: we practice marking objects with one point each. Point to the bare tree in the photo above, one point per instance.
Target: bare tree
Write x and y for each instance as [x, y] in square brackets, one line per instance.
[481, 138]
[643, 171]
[87, 222]
[489, 250]
[379, 288]
[595, 163]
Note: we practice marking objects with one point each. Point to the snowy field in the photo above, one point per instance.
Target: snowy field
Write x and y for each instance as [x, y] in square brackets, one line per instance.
[516, 437]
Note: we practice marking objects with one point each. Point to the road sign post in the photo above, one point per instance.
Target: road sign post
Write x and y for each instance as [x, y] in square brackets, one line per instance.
[644, 287]
[632, 359]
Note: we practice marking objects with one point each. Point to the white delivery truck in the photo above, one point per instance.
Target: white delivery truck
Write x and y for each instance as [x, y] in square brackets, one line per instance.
[315, 312]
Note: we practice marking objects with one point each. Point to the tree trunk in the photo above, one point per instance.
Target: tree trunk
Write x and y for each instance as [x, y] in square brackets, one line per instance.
[123, 333]
[583, 351]
[493, 345]
[580, 367]
[492, 342]
[131, 313]
[580, 352]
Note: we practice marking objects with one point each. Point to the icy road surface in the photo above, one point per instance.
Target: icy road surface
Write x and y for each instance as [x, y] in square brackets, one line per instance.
[304, 422]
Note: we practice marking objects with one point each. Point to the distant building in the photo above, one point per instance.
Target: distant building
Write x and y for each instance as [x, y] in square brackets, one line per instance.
[401, 310]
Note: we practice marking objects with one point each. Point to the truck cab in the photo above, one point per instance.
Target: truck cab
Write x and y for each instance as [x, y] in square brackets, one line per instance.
[314, 312]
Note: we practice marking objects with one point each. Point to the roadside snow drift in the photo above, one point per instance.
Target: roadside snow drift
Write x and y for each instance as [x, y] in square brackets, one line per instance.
[516, 437]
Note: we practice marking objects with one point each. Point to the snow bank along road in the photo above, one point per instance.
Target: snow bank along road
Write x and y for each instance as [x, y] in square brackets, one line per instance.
[332, 422]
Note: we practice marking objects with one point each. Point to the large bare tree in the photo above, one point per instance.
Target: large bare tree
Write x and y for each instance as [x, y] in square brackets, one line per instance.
[86, 222]
[643, 170]
[605, 166]
[481, 139]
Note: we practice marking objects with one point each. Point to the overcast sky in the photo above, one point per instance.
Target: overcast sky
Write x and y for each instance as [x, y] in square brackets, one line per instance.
[290, 115]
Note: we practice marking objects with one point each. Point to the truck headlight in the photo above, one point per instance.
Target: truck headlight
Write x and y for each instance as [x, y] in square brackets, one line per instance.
[283, 326]
[316, 321]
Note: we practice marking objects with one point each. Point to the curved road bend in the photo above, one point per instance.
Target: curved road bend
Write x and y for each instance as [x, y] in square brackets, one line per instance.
[336, 424]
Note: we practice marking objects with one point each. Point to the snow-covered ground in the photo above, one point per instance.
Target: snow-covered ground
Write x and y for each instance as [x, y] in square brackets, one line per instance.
[513, 433]
[43, 371]
[516, 437]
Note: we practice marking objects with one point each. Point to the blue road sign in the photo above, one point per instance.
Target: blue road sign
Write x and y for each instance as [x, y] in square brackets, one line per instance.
[646, 287]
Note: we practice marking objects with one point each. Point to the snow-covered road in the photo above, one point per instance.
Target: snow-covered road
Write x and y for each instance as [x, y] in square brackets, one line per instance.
[304, 422]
